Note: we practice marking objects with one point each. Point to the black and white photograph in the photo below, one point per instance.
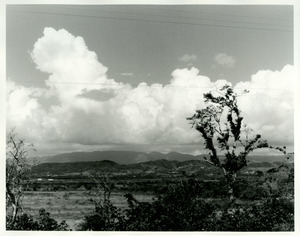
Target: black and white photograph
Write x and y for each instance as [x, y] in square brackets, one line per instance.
[150, 117]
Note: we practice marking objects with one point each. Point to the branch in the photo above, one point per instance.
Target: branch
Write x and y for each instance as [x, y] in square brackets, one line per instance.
[211, 163]
[15, 147]
[288, 155]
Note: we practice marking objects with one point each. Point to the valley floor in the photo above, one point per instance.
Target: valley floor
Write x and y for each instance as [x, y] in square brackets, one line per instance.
[71, 205]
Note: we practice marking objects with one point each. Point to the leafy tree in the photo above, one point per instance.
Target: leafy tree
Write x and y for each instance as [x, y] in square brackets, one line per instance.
[17, 171]
[221, 126]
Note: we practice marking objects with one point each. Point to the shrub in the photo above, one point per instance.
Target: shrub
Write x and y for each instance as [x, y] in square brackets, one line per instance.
[181, 208]
[106, 217]
[23, 222]
[43, 222]
[272, 214]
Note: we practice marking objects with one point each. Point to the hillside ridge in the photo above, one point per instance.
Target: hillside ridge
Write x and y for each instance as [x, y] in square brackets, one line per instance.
[131, 157]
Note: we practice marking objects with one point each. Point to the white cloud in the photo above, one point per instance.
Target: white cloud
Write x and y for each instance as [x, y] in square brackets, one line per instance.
[22, 100]
[188, 58]
[269, 107]
[225, 60]
[24, 112]
[67, 59]
[147, 114]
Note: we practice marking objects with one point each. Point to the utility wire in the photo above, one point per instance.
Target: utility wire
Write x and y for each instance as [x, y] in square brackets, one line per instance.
[176, 16]
[210, 13]
[155, 21]
[163, 8]
[144, 20]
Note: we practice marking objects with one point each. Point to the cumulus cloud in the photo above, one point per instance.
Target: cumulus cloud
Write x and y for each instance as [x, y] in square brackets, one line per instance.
[269, 106]
[225, 60]
[188, 58]
[93, 109]
[25, 112]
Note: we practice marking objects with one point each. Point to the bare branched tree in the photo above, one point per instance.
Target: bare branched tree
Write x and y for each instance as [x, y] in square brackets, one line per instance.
[103, 187]
[17, 170]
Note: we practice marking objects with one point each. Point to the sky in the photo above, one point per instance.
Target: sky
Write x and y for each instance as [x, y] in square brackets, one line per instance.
[86, 78]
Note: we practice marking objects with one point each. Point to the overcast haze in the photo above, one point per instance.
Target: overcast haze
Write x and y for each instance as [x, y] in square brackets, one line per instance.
[85, 78]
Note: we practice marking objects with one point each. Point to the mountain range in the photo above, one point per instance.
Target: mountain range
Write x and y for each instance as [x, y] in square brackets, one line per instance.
[129, 157]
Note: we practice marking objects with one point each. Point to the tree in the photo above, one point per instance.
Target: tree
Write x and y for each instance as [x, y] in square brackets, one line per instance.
[106, 216]
[17, 171]
[221, 126]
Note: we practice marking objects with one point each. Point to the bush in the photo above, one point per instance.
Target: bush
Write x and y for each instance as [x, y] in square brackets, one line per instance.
[271, 215]
[23, 222]
[43, 222]
[106, 217]
[174, 215]
[181, 208]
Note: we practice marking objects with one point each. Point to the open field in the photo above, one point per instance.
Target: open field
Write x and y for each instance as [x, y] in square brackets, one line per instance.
[70, 205]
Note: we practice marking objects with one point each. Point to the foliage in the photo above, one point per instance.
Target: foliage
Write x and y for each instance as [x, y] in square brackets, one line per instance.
[22, 222]
[106, 217]
[17, 170]
[42, 222]
[182, 209]
[221, 126]
[273, 214]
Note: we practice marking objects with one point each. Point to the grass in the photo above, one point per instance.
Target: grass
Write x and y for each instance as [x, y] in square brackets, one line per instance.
[70, 205]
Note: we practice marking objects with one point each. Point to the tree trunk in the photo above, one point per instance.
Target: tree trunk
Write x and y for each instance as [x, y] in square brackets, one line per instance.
[15, 213]
[230, 179]
[15, 202]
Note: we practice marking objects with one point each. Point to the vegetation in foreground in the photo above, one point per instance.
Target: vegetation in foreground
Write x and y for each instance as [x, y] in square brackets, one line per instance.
[181, 207]
[42, 222]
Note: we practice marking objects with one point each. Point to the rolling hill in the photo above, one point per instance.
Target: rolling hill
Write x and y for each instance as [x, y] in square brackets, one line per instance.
[129, 157]
[106, 166]
[157, 166]
[121, 157]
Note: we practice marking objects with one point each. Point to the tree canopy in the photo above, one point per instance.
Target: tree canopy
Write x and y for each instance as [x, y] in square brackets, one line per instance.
[225, 134]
